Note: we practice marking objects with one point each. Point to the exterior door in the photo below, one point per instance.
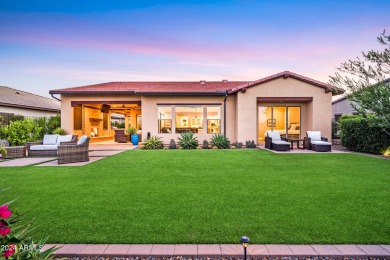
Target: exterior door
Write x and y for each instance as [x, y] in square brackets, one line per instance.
[285, 119]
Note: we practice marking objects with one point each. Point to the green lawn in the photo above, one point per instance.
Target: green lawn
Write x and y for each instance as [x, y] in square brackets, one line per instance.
[207, 197]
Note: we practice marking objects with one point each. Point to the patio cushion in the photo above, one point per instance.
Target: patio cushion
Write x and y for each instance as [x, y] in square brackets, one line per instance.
[314, 135]
[50, 139]
[275, 135]
[280, 142]
[82, 140]
[64, 138]
[4, 142]
[320, 143]
[44, 147]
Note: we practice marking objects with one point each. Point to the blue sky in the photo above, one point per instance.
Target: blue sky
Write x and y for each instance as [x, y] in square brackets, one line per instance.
[56, 44]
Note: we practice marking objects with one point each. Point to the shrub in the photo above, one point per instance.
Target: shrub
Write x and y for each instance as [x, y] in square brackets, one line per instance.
[165, 148]
[53, 123]
[59, 131]
[220, 141]
[215, 147]
[20, 132]
[5, 119]
[233, 147]
[3, 151]
[198, 148]
[172, 144]
[250, 144]
[206, 144]
[131, 130]
[363, 135]
[188, 141]
[238, 145]
[153, 143]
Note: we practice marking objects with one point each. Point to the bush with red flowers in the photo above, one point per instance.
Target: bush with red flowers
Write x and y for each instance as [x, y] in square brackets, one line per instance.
[14, 241]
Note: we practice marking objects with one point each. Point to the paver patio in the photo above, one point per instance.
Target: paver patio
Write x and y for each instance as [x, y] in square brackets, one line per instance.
[296, 150]
[221, 250]
[24, 161]
[101, 153]
[97, 151]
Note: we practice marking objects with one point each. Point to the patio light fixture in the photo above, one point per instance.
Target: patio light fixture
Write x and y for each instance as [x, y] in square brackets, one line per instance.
[245, 241]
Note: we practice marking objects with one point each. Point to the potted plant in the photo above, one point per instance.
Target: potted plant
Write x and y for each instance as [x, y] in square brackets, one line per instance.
[133, 134]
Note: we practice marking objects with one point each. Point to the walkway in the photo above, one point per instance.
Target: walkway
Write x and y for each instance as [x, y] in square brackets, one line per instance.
[97, 151]
[223, 250]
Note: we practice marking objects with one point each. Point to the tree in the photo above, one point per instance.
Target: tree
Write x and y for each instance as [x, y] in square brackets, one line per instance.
[367, 83]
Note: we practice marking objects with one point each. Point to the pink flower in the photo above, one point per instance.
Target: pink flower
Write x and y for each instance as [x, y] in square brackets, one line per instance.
[10, 251]
[4, 229]
[4, 211]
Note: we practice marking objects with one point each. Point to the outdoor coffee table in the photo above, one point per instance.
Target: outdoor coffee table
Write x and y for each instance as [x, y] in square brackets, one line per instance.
[15, 152]
[297, 140]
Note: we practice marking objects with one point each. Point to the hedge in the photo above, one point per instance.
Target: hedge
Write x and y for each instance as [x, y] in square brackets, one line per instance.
[363, 135]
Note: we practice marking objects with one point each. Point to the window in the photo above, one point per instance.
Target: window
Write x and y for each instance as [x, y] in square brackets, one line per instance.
[77, 118]
[165, 120]
[189, 118]
[213, 120]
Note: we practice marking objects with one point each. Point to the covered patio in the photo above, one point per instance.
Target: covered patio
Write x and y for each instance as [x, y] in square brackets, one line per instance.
[100, 119]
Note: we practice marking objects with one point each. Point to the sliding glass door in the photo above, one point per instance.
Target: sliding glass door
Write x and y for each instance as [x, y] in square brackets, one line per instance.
[285, 119]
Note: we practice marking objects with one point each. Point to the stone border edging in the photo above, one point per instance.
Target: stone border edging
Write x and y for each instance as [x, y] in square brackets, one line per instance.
[221, 250]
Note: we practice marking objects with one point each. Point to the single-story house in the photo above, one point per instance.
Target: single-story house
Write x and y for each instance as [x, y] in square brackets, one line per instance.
[342, 106]
[242, 110]
[17, 102]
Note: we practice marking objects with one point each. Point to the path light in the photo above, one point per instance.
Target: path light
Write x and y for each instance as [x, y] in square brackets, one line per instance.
[245, 241]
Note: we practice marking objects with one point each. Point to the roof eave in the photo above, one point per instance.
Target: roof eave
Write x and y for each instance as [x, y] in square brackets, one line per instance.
[217, 93]
[146, 93]
[31, 107]
[90, 92]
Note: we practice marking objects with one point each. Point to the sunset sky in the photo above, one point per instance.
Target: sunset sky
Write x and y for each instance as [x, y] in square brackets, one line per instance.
[56, 44]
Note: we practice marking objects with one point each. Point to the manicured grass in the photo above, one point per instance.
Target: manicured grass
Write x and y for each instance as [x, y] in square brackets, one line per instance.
[208, 197]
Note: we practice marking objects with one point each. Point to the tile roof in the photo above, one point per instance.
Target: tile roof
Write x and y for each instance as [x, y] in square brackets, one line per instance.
[184, 87]
[143, 87]
[285, 75]
[11, 97]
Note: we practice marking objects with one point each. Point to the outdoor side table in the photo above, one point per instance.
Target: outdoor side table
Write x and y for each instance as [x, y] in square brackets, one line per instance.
[297, 140]
[15, 152]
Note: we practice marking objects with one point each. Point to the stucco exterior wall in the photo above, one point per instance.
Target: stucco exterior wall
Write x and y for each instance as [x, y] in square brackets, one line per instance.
[150, 114]
[342, 108]
[316, 115]
[26, 112]
[241, 109]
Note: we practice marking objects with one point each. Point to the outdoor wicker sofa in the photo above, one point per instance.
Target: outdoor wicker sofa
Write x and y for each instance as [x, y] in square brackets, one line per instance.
[273, 141]
[49, 145]
[74, 152]
[314, 141]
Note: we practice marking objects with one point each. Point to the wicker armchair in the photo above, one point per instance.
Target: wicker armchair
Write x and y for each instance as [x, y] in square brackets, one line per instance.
[71, 152]
[46, 152]
[314, 141]
[273, 141]
[121, 137]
